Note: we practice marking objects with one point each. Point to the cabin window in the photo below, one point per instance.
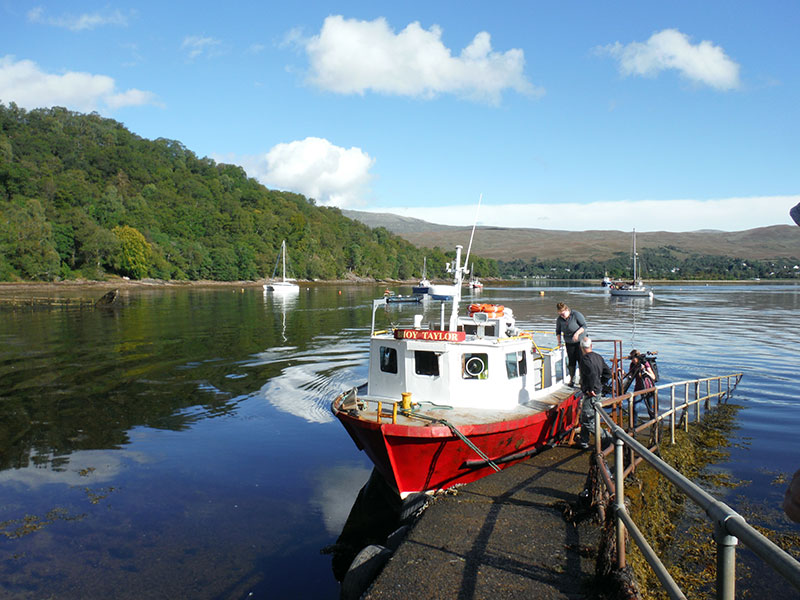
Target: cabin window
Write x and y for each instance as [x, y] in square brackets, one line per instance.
[388, 360]
[516, 364]
[475, 366]
[469, 329]
[426, 363]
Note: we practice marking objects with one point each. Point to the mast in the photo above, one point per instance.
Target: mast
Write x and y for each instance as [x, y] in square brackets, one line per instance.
[283, 252]
[457, 277]
[634, 256]
[471, 235]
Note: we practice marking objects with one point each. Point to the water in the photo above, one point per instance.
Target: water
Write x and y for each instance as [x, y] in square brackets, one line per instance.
[181, 444]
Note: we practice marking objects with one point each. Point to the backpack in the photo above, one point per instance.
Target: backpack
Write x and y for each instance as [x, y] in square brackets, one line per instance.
[651, 358]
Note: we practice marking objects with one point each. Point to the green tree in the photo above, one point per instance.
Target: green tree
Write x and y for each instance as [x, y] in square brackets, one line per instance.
[26, 241]
[134, 256]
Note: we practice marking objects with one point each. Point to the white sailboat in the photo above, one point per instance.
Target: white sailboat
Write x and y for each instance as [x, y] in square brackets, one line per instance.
[634, 289]
[424, 285]
[474, 282]
[284, 285]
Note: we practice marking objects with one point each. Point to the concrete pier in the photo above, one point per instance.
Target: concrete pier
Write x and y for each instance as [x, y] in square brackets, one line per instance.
[501, 537]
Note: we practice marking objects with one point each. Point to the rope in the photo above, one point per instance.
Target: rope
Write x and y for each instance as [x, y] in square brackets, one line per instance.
[466, 440]
[459, 435]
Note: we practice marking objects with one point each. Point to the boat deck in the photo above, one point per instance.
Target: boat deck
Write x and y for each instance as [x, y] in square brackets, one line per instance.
[464, 416]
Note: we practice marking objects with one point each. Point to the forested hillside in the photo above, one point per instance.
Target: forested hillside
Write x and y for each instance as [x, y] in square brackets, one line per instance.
[83, 197]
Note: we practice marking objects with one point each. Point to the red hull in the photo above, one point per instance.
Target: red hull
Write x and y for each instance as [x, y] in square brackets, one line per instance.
[430, 458]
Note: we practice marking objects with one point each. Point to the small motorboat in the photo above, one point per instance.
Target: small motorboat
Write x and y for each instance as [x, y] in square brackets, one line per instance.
[402, 299]
[443, 291]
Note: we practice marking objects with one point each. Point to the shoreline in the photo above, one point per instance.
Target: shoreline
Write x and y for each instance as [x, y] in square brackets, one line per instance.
[84, 284]
[159, 283]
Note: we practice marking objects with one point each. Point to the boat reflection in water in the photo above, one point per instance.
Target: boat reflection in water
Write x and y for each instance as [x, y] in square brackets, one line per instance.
[375, 525]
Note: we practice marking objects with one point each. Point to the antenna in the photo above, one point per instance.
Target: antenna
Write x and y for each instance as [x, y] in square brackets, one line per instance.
[471, 235]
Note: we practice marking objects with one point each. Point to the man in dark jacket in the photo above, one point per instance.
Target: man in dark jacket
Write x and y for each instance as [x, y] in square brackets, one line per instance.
[594, 373]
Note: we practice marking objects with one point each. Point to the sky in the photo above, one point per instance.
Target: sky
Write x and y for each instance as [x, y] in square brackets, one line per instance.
[646, 115]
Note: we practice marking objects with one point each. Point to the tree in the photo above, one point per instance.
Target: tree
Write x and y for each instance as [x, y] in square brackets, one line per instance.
[26, 241]
[134, 254]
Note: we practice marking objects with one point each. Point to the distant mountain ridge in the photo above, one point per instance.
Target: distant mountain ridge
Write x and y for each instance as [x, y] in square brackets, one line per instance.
[508, 243]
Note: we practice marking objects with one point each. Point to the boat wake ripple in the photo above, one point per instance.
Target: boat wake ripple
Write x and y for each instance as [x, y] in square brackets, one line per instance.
[309, 380]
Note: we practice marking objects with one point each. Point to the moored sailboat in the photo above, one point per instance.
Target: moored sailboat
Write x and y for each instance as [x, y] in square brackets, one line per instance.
[424, 284]
[283, 285]
[634, 289]
[474, 282]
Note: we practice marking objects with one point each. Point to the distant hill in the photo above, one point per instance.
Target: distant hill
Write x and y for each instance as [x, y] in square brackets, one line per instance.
[507, 243]
[396, 223]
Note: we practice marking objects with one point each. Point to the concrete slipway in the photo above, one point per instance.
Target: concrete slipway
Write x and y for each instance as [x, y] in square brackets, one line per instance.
[503, 536]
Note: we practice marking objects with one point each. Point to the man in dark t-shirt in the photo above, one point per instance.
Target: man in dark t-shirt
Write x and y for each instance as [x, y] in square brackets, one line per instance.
[572, 325]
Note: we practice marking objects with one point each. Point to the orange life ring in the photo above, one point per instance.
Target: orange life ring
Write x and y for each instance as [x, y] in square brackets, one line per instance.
[491, 310]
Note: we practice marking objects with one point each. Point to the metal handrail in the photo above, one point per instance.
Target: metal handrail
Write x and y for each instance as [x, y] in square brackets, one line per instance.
[729, 526]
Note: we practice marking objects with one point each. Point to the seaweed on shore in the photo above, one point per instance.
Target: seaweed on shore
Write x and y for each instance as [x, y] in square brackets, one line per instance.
[677, 530]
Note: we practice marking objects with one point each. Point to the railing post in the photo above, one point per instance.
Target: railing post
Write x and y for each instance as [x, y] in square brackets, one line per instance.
[631, 420]
[632, 430]
[619, 492]
[726, 562]
[686, 408]
[672, 416]
[657, 424]
[708, 394]
[598, 447]
[697, 401]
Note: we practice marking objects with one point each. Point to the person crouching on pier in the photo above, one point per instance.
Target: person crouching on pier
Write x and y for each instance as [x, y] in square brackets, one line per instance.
[594, 373]
[642, 376]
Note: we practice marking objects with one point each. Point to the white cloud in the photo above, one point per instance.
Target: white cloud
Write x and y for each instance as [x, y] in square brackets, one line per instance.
[195, 46]
[23, 82]
[78, 22]
[84, 468]
[314, 167]
[351, 57]
[670, 49]
[728, 214]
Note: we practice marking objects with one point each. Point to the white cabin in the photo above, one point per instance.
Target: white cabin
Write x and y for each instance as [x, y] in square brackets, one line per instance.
[485, 364]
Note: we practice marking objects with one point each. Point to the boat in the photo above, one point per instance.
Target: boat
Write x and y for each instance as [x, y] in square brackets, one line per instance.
[606, 281]
[443, 291]
[451, 402]
[474, 282]
[400, 299]
[423, 286]
[284, 285]
[634, 288]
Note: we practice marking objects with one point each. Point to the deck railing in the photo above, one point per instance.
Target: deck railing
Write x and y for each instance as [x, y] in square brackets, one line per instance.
[729, 526]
